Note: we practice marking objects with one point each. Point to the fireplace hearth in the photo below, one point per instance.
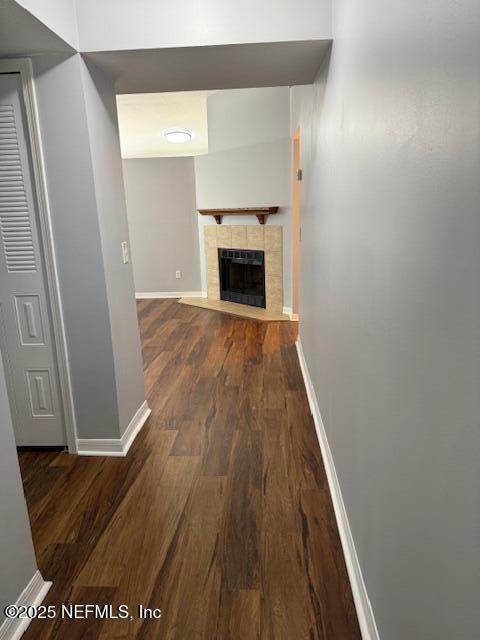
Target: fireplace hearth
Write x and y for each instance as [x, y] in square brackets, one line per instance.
[242, 276]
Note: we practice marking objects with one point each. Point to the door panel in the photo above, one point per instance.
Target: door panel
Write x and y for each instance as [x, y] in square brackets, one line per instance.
[29, 319]
[40, 392]
[25, 327]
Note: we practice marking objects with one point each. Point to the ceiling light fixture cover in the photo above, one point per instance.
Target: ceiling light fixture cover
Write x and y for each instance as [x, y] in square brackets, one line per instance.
[177, 135]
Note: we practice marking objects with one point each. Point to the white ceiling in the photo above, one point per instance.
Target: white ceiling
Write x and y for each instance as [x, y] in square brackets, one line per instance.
[143, 117]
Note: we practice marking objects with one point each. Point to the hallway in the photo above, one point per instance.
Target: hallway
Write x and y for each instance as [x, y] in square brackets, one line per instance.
[220, 515]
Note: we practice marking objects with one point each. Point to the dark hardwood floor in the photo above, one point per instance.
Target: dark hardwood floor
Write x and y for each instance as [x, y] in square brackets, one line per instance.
[220, 515]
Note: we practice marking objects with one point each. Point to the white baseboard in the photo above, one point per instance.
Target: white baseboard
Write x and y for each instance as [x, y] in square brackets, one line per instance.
[365, 615]
[289, 312]
[115, 446]
[168, 294]
[32, 596]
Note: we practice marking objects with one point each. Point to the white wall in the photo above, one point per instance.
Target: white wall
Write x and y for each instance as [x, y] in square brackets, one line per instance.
[390, 300]
[18, 563]
[248, 163]
[147, 24]
[160, 194]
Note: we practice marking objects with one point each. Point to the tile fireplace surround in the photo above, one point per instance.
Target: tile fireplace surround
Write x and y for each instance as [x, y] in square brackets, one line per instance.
[267, 238]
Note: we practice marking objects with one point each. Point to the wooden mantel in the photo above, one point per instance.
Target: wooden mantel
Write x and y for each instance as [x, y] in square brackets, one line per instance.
[260, 212]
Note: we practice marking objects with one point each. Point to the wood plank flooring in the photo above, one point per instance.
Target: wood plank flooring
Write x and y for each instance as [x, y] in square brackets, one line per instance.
[220, 514]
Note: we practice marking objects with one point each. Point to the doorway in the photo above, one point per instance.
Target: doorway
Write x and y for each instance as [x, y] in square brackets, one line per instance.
[296, 225]
[30, 340]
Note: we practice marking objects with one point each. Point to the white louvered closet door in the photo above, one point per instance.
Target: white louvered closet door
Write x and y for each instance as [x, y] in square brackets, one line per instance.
[25, 327]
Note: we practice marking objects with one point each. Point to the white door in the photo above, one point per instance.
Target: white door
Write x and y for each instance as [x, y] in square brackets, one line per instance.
[25, 328]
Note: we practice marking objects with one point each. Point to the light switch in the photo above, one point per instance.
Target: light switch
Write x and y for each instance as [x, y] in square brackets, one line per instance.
[125, 252]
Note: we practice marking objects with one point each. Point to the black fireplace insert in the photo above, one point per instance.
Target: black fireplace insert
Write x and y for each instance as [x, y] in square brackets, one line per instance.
[242, 276]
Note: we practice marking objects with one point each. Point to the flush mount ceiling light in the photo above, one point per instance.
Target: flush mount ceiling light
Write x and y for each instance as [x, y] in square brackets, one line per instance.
[177, 135]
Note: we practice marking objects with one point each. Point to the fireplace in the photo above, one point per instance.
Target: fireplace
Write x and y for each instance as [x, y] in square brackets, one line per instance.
[242, 276]
[265, 242]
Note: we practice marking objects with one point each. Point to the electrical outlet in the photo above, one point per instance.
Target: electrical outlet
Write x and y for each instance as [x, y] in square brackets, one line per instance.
[125, 255]
[178, 274]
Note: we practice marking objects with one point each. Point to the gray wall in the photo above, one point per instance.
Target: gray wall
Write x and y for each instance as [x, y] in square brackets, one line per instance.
[71, 190]
[112, 215]
[390, 300]
[248, 163]
[18, 563]
[160, 195]
[58, 15]
[85, 185]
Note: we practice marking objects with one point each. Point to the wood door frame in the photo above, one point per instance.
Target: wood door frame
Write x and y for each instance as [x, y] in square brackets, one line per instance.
[23, 66]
